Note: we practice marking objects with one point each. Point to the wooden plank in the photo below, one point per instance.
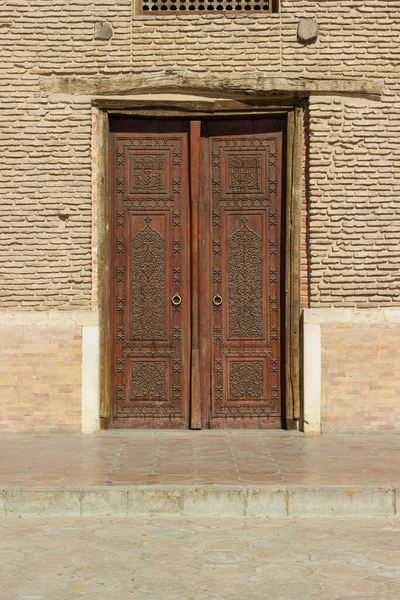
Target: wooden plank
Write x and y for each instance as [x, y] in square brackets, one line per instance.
[195, 415]
[295, 261]
[292, 267]
[104, 157]
[288, 272]
[205, 278]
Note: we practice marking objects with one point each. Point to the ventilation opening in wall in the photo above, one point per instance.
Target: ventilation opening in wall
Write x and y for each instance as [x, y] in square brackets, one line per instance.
[147, 7]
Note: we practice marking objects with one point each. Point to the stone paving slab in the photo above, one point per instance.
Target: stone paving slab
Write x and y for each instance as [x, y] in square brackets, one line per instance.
[235, 501]
[121, 458]
[213, 473]
[166, 558]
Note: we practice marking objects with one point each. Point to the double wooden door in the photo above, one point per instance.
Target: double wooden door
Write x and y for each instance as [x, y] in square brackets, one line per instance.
[196, 273]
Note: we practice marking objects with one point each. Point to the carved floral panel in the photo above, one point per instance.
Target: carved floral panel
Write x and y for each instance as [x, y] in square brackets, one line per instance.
[245, 283]
[148, 380]
[246, 379]
[148, 283]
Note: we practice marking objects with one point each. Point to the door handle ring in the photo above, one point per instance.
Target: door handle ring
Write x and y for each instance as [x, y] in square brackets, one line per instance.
[217, 300]
[176, 299]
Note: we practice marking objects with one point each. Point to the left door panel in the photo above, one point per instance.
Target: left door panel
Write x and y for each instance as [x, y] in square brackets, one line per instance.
[150, 308]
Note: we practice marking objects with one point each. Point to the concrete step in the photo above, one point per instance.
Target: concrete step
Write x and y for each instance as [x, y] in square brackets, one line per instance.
[201, 500]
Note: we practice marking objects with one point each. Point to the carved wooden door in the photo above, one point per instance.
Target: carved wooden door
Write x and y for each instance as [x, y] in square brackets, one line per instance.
[241, 225]
[161, 319]
[150, 333]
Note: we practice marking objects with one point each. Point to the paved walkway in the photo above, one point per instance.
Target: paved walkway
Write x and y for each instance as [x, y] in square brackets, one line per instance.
[200, 473]
[199, 458]
[199, 559]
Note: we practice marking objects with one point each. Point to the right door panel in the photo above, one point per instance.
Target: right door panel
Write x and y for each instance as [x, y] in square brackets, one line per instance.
[244, 191]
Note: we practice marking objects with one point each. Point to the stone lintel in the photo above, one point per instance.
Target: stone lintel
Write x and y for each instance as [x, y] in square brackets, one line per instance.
[51, 318]
[351, 315]
[238, 84]
[155, 105]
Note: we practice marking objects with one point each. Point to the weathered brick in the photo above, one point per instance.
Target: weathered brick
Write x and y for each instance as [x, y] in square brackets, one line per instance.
[354, 154]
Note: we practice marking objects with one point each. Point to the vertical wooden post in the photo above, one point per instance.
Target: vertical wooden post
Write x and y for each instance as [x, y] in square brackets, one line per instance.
[292, 270]
[195, 415]
[102, 183]
[296, 256]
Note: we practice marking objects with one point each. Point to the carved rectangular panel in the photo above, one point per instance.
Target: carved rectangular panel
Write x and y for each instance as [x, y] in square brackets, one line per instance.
[245, 184]
[150, 249]
[150, 173]
[243, 173]
[248, 378]
[243, 261]
[150, 275]
[149, 379]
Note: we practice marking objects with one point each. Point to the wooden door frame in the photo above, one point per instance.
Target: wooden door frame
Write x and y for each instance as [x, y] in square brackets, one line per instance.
[292, 199]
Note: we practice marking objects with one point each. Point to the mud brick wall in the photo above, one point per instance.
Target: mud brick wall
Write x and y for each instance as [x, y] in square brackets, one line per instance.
[45, 162]
[305, 201]
[360, 377]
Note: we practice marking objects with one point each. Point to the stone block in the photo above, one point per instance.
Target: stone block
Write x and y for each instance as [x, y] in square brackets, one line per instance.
[108, 501]
[44, 502]
[41, 383]
[397, 501]
[103, 31]
[164, 500]
[392, 314]
[266, 502]
[341, 501]
[359, 389]
[214, 501]
[307, 30]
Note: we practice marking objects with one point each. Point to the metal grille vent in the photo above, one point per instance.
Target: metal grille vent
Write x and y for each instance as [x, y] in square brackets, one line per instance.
[168, 6]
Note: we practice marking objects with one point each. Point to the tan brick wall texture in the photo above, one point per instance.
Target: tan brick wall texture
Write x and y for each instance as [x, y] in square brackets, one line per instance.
[305, 197]
[40, 379]
[360, 377]
[351, 200]
[45, 164]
